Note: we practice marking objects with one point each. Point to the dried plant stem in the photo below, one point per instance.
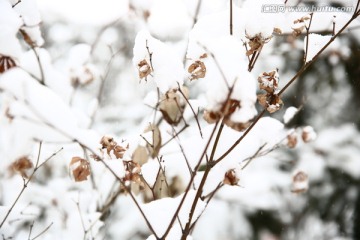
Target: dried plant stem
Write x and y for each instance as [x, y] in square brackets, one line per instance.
[187, 228]
[307, 64]
[241, 138]
[41, 233]
[231, 17]
[26, 182]
[192, 109]
[102, 86]
[42, 75]
[19, 1]
[307, 37]
[190, 182]
[292, 80]
[209, 196]
[254, 58]
[132, 197]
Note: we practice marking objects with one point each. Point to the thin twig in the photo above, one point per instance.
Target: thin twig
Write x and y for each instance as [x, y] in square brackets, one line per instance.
[307, 64]
[26, 182]
[190, 182]
[231, 17]
[303, 68]
[81, 217]
[132, 197]
[253, 156]
[19, 1]
[42, 76]
[307, 37]
[192, 109]
[43, 231]
[216, 63]
[210, 196]
[31, 227]
[241, 138]
[186, 231]
[102, 85]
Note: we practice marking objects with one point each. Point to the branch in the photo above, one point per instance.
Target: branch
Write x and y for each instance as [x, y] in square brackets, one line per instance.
[186, 231]
[231, 17]
[190, 182]
[192, 109]
[26, 182]
[43, 231]
[306, 65]
[307, 37]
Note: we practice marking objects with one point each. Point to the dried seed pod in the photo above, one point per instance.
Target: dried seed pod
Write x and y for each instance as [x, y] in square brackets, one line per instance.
[300, 182]
[6, 63]
[231, 178]
[197, 70]
[144, 69]
[269, 81]
[308, 134]
[80, 169]
[23, 166]
[292, 139]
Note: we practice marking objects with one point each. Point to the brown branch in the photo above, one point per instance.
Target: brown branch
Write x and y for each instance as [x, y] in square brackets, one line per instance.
[186, 231]
[190, 182]
[307, 37]
[19, 1]
[241, 138]
[132, 197]
[306, 65]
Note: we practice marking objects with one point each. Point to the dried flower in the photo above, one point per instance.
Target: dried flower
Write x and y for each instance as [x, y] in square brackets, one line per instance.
[6, 63]
[23, 166]
[300, 182]
[80, 169]
[256, 43]
[83, 75]
[112, 147]
[132, 173]
[171, 106]
[299, 25]
[292, 139]
[226, 111]
[197, 70]
[272, 102]
[269, 81]
[144, 69]
[231, 178]
[308, 134]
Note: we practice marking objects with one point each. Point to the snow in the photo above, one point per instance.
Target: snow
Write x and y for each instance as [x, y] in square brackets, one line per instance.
[289, 114]
[53, 112]
[150, 171]
[59, 114]
[227, 70]
[260, 23]
[9, 25]
[83, 11]
[159, 213]
[169, 20]
[167, 68]
[315, 43]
